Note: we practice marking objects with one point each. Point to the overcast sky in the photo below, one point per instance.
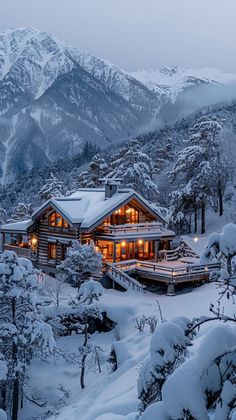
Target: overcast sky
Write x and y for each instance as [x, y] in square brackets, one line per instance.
[136, 34]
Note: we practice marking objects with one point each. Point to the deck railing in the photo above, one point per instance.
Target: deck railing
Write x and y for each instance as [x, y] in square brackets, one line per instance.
[123, 279]
[20, 251]
[130, 228]
[174, 273]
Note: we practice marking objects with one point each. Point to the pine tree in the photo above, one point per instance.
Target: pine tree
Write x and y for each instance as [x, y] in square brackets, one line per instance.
[52, 188]
[21, 328]
[22, 211]
[199, 171]
[135, 168]
[92, 177]
[87, 311]
[81, 262]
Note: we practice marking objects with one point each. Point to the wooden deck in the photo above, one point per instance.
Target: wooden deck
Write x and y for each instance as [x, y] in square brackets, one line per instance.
[170, 276]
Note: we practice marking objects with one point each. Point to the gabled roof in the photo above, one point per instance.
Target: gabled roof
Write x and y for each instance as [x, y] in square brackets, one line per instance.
[87, 207]
[18, 227]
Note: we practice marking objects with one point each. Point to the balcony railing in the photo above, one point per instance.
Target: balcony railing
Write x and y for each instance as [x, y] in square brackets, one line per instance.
[126, 229]
[20, 251]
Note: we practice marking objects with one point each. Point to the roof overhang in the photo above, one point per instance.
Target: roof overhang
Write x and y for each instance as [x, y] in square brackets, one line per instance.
[134, 195]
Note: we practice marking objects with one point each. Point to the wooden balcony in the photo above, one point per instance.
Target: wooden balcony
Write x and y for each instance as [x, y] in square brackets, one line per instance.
[133, 231]
[20, 251]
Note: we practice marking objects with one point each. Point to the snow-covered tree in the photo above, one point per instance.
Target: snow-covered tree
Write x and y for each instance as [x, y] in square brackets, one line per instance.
[52, 188]
[87, 311]
[168, 345]
[81, 262]
[135, 168]
[92, 177]
[222, 247]
[22, 211]
[202, 383]
[200, 171]
[3, 216]
[21, 328]
[89, 291]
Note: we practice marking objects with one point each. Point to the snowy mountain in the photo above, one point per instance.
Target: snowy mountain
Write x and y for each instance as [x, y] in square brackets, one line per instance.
[54, 98]
[172, 81]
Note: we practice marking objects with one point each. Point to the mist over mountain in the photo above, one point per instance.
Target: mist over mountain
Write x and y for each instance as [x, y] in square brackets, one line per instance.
[55, 98]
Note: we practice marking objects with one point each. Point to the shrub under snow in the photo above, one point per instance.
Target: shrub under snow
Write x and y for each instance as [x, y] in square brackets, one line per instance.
[206, 378]
[166, 348]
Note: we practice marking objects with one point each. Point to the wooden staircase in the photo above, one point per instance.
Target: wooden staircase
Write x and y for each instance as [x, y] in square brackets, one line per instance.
[124, 280]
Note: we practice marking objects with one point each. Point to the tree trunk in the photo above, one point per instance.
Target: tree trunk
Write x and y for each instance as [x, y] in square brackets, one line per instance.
[15, 398]
[203, 218]
[4, 397]
[16, 388]
[195, 213]
[82, 375]
[221, 208]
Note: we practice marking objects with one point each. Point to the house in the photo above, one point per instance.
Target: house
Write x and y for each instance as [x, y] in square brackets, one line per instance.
[120, 223]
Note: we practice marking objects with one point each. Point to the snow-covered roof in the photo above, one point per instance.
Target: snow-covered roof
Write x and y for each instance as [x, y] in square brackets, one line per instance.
[87, 206]
[17, 226]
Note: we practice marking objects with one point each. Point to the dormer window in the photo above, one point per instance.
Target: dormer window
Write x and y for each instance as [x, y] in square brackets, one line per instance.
[57, 221]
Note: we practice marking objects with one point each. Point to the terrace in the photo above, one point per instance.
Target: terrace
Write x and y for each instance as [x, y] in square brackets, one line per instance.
[169, 273]
[153, 230]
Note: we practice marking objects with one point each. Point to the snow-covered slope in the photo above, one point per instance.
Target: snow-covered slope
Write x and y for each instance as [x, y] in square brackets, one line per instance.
[174, 80]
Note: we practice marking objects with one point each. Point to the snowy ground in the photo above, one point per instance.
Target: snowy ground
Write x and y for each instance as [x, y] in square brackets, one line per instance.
[113, 395]
[109, 395]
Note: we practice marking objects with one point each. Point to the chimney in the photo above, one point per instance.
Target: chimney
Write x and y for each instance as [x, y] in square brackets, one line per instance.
[111, 187]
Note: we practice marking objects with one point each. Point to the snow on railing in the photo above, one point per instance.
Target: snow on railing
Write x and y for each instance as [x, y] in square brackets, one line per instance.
[20, 251]
[175, 273]
[122, 278]
[131, 228]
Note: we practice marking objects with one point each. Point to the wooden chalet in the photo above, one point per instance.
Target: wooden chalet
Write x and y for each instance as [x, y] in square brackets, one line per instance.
[120, 223]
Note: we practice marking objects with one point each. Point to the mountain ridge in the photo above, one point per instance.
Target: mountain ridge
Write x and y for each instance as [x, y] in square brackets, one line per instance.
[54, 98]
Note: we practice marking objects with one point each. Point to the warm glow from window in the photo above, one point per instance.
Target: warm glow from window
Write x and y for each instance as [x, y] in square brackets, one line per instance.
[140, 242]
[52, 251]
[56, 220]
[123, 244]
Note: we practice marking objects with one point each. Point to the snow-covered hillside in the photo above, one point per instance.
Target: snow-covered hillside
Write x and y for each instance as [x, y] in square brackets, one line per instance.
[113, 395]
[174, 80]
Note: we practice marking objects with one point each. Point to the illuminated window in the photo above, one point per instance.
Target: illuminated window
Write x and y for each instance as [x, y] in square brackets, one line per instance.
[55, 220]
[52, 220]
[52, 251]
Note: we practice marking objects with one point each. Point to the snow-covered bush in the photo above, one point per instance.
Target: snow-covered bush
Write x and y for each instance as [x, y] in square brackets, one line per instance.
[21, 327]
[203, 381]
[191, 386]
[167, 347]
[81, 262]
[89, 291]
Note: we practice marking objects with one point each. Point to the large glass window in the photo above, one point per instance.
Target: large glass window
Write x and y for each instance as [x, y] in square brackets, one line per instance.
[56, 220]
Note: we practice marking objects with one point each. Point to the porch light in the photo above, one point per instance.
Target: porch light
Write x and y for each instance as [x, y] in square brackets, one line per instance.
[206, 268]
[195, 239]
[34, 242]
[123, 244]
[140, 242]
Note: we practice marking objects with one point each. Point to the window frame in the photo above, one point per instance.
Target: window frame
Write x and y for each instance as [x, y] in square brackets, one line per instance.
[56, 226]
[50, 257]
